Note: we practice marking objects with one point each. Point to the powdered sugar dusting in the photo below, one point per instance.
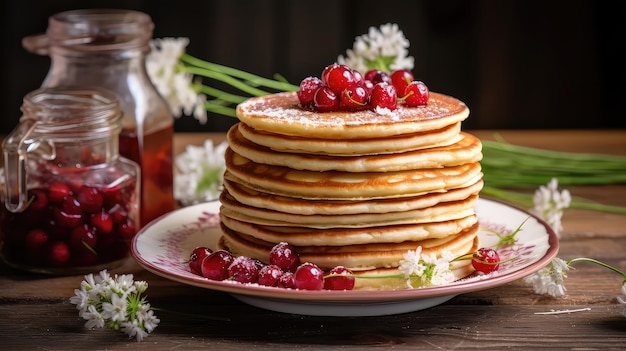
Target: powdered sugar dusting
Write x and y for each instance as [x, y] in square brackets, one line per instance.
[285, 108]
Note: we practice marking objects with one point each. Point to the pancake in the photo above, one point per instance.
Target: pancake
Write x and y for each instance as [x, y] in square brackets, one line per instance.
[352, 188]
[441, 212]
[280, 113]
[254, 198]
[356, 257]
[466, 150]
[353, 147]
[346, 185]
[339, 236]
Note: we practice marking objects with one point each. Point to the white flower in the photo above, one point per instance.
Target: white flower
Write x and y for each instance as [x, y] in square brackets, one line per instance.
[146, 317]
[412, 264]
[116, 309]
[176, 87]
[550, 279]
[423, 270]
[385, 49]
[115, 302]
[200, 171]
[549, 204]
[134, 329]
[93, 317]
[622, 298]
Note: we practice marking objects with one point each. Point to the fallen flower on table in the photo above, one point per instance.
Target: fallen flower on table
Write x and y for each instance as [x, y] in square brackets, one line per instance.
[115, 302]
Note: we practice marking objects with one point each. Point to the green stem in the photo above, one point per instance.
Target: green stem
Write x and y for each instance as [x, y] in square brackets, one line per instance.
[219, 76]
[586, 259]
[526, 200]
[280, 84]
[222, 95]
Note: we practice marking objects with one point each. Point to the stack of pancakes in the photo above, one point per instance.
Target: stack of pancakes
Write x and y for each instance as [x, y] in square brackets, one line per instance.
[357, 189]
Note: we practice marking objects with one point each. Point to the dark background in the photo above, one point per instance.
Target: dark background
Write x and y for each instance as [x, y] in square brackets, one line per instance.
[517, 64]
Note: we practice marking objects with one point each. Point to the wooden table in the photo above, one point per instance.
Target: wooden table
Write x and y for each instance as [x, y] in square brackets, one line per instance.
[35, 312]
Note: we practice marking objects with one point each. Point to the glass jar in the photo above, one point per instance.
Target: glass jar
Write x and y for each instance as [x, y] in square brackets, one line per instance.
[70, 202]
[107, 48]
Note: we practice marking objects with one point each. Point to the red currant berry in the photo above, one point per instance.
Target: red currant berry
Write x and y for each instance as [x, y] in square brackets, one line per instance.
[90, 198]
[377, 76]
[368, 86]
[486, 260]
[215, 266]
[308, 276]
[401, 78]
[384, 96]
[118, 213]
[353, 98]
[127, 229]
[244, 269]
[286, 281]
[102, 221]
[345, 282]
[38, 200]
[284, 255]
[36, 239]
[338, 77]
[325, 100]
[416, 94]
[83, 238]
[57, 191]
[71, 205]
[112, 196]
[269, 275]
[65, 219]
[58, 254]
[307, 90]
[196, 257]
[358, 77]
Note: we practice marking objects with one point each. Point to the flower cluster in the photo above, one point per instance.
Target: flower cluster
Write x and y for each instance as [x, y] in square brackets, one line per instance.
[115, 302]
[200, 173]
[384, 48]
[175, 85]
[422, 270]
[550, 203]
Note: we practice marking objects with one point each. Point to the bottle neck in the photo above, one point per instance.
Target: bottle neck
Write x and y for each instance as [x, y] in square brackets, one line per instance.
[111, 70]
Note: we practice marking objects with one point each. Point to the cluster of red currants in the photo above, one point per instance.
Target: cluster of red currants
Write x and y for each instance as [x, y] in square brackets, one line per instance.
[284, 270]
[67, 224]
[341, 88]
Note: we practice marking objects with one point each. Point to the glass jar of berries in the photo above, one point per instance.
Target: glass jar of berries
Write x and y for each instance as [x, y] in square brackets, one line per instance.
[107, 48]
[69, 200]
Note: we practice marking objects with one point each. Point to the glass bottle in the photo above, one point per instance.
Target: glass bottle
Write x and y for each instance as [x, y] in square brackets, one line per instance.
[69, 201]
[107, 48]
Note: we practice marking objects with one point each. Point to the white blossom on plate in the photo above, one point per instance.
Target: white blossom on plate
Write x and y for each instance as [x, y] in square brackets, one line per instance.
[422, 270]
[384, 48]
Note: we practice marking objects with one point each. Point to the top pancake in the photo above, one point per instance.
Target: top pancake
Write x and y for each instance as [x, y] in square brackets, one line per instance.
[280, 113]
[447, 135]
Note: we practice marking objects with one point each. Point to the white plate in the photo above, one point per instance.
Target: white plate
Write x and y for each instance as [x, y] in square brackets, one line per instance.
[163, 247]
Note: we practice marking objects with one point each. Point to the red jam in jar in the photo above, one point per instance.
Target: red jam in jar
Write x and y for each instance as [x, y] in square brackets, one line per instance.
[70, 202]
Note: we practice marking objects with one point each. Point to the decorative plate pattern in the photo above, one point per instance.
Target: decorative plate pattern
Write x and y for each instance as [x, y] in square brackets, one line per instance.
[163, 247]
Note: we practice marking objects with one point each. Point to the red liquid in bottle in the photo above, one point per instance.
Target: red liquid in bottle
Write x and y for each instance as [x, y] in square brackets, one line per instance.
[157, 178]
